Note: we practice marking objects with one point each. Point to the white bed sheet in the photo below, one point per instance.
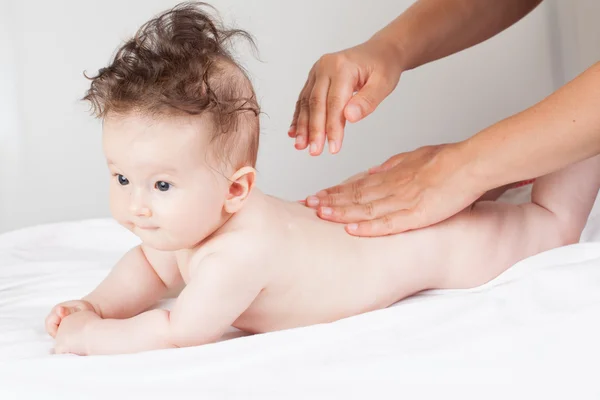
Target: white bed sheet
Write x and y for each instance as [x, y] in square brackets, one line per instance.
[534, 332]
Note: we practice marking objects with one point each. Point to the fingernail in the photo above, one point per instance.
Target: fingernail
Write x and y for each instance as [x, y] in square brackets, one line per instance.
[352, 227]
[326, 211]
[312, 201]
[332, 146]
[321, 193]
[299, 139]
[313, 148]
[353, 112]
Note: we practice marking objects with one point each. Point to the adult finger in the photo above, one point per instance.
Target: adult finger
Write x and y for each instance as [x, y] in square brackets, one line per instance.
[317, 115]
[388, 224]
[301, 128]
[358, 195]
[366, 100]
[369, 210]
[294, 124]
[340, 92]
[354, 187]
[388, 164]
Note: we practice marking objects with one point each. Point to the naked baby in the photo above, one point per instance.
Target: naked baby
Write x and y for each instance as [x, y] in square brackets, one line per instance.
[180, 136]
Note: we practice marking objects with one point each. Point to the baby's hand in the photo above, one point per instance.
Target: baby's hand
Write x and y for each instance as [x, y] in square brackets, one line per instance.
[62, 310]
[72, 336]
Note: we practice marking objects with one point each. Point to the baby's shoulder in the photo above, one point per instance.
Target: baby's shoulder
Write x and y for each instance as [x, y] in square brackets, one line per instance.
[239, 247]
[228, 258]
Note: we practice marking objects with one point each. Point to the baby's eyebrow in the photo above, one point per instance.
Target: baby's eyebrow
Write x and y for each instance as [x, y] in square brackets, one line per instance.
[156, 167]
[164, 170]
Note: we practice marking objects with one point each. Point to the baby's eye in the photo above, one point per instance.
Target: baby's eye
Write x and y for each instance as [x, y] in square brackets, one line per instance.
[162, 186]
[122, 180]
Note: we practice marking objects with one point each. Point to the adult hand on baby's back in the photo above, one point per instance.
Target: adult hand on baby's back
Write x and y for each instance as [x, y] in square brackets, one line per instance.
[409, 191]
[326, 102]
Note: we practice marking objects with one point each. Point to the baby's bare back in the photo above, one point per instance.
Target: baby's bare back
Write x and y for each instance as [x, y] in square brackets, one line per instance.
[319, 273]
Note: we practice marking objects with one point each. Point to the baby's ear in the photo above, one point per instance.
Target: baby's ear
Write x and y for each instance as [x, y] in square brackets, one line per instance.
[240, 186]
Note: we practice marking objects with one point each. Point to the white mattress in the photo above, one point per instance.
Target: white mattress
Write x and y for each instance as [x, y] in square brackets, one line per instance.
[534, 332]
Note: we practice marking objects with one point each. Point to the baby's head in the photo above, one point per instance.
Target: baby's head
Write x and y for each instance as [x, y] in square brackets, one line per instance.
[180, 129]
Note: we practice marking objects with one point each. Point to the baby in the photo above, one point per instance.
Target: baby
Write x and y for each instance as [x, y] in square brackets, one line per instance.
[180, 135]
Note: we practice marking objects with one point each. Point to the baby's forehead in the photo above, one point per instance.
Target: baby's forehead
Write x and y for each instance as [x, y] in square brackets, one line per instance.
[135, 123]
[150, 141]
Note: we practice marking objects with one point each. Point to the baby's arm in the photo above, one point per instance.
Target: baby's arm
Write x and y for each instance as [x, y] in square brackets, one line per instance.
[140, 279]
[220, 289]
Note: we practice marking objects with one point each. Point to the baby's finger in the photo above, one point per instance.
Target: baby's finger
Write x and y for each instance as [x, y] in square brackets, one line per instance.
[317, 110]
[51, 324]
[62, 311]
[340, 92]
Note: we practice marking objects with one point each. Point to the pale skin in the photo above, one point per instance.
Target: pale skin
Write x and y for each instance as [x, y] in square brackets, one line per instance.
[241, 258]
[420, 188]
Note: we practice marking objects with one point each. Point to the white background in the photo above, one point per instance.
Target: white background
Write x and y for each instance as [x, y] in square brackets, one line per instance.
[51, 166]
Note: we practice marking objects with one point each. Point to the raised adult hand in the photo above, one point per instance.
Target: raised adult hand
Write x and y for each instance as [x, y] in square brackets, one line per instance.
[343, 86]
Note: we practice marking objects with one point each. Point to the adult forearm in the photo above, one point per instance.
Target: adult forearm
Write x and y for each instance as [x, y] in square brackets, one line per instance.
[562, 129]
[433, 29]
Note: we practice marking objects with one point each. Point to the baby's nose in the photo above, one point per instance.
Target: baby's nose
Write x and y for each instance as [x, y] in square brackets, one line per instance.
[138, 206]
[141, 211]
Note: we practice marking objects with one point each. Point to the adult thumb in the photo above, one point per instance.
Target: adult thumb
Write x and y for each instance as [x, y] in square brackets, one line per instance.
[365, 101]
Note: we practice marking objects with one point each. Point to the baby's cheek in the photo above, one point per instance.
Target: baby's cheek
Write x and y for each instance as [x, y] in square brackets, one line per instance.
[118, 206]
[199, 217]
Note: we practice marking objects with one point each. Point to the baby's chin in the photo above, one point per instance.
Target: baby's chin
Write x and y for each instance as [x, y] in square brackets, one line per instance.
[163, 242]
[160, 238]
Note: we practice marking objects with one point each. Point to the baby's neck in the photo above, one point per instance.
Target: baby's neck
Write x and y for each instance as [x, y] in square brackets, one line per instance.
[255, 205]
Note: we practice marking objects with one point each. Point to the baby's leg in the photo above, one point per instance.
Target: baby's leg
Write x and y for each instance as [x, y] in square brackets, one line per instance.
[490, 237]
[494, 194]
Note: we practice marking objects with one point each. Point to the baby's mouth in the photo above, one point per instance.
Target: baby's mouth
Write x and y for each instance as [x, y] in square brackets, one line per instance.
[146, 227]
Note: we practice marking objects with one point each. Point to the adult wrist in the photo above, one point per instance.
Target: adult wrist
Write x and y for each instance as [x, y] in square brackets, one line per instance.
[472, 164]
[391, 48]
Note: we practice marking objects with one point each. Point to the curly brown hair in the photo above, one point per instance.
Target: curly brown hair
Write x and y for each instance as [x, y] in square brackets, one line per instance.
[178, 64]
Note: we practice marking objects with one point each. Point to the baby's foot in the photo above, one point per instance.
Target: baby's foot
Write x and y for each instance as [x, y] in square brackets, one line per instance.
[62, 310]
